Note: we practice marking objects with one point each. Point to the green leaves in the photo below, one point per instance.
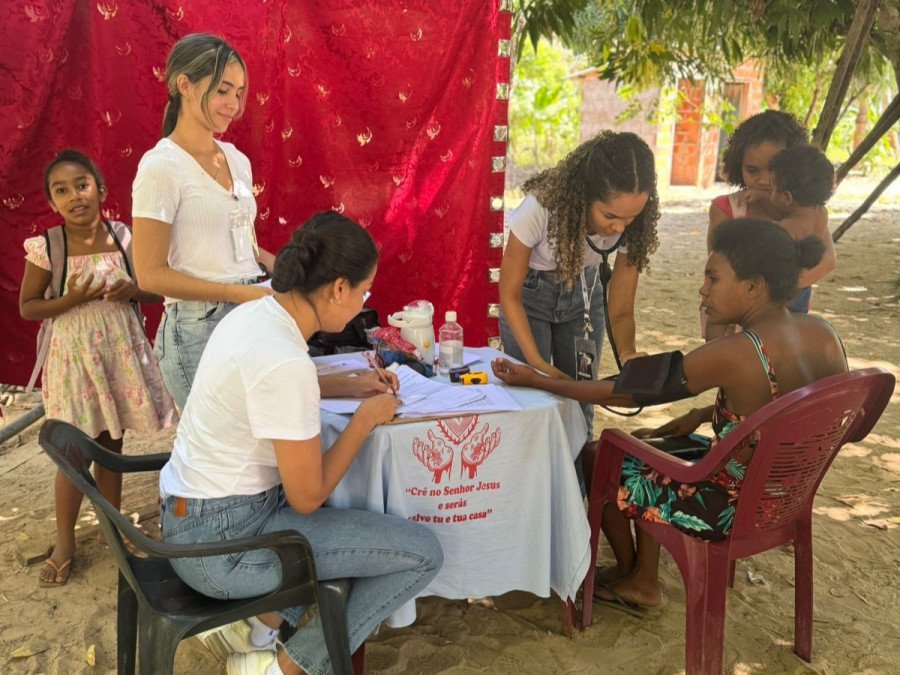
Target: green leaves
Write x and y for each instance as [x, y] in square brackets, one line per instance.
[689, 522]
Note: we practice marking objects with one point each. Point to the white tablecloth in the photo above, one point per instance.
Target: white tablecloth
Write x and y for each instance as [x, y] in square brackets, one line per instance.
[499, 490]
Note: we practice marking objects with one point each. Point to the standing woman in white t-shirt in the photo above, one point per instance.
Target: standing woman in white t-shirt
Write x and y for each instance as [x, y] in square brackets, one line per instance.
[603, 193]
[248, 459]
[193, 207]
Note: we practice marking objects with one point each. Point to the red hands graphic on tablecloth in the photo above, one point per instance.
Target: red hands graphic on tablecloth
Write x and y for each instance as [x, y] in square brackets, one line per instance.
[435, 455]
[478, 448]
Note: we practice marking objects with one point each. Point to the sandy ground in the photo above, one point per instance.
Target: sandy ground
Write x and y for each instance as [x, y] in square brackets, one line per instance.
[856, 539]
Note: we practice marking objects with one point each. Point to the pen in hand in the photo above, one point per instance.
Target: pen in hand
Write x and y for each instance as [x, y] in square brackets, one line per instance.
[381, 374]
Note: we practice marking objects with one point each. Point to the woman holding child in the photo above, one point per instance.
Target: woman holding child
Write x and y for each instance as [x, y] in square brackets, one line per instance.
[751, 274]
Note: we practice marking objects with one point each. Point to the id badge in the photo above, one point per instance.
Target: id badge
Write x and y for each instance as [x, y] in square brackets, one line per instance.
[585, 359]
[243, 235]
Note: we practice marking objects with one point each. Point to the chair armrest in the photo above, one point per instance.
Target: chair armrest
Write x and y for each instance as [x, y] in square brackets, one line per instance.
[290, 546]
[676, 468]
[131, 463]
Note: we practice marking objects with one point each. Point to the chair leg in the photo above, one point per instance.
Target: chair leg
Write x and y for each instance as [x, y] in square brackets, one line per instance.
[567, 608]
[333, 612]
[158, 639]
[706, 588]
[126, 628]
[595, 511]
[803, 590]
[359, 660]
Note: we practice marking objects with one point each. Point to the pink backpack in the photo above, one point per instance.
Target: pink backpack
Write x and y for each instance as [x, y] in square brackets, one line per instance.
[58, 254]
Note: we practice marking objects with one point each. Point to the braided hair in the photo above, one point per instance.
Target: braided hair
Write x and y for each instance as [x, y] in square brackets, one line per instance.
[608, 165]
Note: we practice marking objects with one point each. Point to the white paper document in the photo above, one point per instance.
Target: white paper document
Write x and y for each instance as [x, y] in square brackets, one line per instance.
[422, 397]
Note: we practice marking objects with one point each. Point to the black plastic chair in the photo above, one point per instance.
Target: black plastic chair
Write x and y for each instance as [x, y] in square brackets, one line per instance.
[156, 608]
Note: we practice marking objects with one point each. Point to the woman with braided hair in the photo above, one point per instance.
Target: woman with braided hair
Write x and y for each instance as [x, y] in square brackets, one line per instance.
[601, 198]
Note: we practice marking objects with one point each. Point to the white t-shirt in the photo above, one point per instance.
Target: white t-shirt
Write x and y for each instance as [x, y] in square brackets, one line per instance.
[172, 187]
[255, 382]
[529, 220]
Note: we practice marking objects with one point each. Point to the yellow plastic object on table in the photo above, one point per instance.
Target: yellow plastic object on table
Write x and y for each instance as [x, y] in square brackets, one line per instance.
[478, 377]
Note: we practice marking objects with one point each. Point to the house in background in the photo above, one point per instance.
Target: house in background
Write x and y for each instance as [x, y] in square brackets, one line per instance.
[672, 119]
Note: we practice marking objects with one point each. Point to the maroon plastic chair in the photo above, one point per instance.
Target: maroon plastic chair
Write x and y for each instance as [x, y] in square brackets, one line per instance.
[799, 435]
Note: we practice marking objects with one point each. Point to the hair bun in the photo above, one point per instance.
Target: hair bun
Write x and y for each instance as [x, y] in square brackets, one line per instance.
[809, 252]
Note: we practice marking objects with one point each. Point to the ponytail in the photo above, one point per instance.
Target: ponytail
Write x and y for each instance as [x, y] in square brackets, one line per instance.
[170, 114]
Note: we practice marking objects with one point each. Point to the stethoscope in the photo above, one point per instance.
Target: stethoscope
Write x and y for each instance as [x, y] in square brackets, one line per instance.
[604, 270]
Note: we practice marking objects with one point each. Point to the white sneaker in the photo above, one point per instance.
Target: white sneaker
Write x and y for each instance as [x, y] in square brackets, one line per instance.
[252, 663]
[230, 639]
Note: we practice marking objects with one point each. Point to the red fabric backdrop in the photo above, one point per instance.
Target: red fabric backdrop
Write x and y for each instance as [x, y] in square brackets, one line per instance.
[384, 111]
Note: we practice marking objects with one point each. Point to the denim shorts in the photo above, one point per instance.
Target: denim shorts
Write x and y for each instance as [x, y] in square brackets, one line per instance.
[799, 304]
[183, 332]
[556, 317]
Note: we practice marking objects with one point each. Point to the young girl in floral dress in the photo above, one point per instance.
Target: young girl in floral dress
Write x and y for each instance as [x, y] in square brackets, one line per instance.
[100, 373]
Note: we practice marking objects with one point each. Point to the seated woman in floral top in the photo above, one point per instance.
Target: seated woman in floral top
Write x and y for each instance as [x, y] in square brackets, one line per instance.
[751, 273]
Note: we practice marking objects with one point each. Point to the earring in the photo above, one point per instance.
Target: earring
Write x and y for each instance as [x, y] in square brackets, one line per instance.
[331, 300]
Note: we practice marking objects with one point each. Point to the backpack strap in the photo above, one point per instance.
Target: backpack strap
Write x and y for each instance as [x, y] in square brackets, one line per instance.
[121, 235]
[58, 253]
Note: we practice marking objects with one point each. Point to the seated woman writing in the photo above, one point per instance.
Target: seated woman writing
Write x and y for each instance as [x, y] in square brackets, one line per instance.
[248, 458]
[751, 273]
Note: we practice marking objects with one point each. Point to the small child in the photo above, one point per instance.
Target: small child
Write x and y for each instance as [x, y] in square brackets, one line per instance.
[745, 164]
[803, 180]
[100, 373]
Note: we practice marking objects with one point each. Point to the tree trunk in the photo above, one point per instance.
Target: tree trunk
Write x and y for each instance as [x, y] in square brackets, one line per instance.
[888, 118]
[862, 120]
[813, 103]
[843, 74]
[860, 212]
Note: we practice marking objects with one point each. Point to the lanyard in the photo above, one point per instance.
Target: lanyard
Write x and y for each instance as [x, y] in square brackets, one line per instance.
[588, 327]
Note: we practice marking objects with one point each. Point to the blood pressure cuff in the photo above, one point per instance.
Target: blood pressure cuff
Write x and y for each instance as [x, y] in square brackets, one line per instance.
[651, 380]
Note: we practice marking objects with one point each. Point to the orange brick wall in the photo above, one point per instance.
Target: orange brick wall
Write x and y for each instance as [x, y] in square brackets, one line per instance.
[692, 145]
[686, 148]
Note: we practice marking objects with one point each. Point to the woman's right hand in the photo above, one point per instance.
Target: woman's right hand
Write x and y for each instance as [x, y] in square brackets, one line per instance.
[79, 289]
[239, 294]
[379, 409]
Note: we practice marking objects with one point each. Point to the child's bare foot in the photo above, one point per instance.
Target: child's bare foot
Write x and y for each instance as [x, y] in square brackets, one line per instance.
[57, 568]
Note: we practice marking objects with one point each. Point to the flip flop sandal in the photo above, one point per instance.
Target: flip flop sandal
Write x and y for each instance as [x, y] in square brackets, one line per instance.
[57, 570]
[623, 605]
[603, 569]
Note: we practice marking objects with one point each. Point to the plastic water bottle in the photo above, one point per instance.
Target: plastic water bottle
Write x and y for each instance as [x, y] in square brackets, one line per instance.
[451, 339]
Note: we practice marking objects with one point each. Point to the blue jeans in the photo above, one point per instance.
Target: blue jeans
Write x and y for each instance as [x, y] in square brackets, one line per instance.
[183, 332]
[391, 559]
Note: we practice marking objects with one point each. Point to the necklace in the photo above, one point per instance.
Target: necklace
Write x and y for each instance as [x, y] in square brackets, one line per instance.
[211, 165]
